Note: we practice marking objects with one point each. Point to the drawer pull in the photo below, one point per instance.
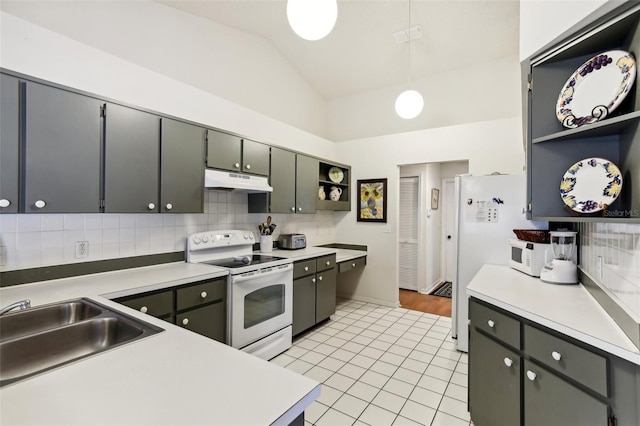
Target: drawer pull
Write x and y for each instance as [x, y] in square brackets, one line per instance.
[144, 309]
[203, 295]
[313, 280]
[306, 268]
[40, 204]
[353, 265]
[320, 278]
[328, 263]
[508, 362]
[491, 324]
[556, 355]
[151, 206]
[531, 375]
[185, 321]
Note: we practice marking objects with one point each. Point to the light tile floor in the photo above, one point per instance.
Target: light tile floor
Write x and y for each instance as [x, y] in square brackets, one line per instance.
[382, 366]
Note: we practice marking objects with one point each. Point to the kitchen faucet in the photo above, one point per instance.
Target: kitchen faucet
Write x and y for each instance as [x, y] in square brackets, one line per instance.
[23, 304]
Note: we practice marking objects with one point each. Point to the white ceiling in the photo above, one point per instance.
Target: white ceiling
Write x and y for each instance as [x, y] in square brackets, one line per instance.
[360, 54]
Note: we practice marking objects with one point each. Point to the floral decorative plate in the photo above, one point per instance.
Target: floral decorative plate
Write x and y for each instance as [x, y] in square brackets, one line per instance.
[591, 185]
[335, 175]
[596, 88]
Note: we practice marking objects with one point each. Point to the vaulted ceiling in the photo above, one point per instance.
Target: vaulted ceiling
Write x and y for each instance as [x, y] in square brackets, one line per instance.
[361, 54]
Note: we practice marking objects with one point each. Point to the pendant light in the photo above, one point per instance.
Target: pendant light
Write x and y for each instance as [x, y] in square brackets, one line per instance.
[312, 19]
[409, 103]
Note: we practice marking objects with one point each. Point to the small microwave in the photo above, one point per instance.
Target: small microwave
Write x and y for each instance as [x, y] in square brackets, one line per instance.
[527, 257]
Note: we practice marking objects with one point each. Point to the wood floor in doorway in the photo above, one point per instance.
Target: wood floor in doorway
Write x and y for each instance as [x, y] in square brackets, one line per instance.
[415, 301]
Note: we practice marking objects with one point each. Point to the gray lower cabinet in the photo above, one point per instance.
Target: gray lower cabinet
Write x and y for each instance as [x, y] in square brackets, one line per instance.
[314, 291]
[552, 400]
[295, 185]
[62, 144]
[521, 373]
[494, 382]
[9, 143]
[181, 167]
[199, 307]
[232, 153]
[350, 265]
[132, 155]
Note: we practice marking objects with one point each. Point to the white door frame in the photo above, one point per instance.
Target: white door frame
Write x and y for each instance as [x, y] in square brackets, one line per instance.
[447, 257]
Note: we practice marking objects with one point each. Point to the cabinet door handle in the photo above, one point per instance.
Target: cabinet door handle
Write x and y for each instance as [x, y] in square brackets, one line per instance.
[185, 321]
[40, 204]
[293, 209]
[299, 209]
[169, 206]
[151, 206]
[313, 280]
[556, 355]
[203, 295]
[353, 265]
[508, 362]
[236, 165]
[490, 323]
[328, 263]
[306, 268]
[144, 309]
[531, 375]
[248, 167]
[320, 278]
[5, 203]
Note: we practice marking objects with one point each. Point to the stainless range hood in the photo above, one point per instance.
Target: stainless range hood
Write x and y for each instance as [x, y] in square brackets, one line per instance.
[235, 181]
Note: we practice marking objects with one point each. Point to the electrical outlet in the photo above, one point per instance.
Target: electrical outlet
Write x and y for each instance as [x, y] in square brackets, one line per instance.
[82, 249]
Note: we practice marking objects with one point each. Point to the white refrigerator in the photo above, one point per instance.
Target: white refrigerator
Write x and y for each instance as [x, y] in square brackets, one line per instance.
[488, 209]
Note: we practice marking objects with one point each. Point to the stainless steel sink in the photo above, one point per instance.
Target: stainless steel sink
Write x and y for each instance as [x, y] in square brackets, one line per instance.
[39, 319]
[68, 332]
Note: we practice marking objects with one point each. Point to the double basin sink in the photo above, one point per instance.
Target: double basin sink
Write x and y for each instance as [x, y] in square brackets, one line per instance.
[39, 339]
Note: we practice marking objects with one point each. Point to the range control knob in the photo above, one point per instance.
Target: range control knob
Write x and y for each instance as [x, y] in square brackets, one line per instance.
[205, 239]
[196, 239]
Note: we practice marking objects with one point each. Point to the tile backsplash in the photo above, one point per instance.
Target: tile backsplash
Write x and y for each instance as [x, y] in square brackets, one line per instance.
[34, 240]
[610, 253]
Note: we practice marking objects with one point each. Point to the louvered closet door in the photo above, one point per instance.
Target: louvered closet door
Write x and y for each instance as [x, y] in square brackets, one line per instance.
[408, 240]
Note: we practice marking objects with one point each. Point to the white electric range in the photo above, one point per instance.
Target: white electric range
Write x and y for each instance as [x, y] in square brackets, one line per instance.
[259, 289]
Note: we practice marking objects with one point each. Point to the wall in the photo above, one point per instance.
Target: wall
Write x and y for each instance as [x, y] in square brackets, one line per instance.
[610, 253]
[489, 146]
[34, 240]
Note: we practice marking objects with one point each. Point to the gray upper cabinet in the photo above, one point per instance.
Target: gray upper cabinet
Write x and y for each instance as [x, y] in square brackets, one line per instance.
[232, 153]
[255, 157]
[182, 167]
[62, 145]
[552, 149]
[9, 143]
[132, 155]
[294, 181]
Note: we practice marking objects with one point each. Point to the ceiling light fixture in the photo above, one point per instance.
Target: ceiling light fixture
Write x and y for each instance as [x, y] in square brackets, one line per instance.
[312, 19]
[409, 103]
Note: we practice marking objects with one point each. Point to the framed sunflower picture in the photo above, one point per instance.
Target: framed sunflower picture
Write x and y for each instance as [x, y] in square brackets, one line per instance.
[373, 200]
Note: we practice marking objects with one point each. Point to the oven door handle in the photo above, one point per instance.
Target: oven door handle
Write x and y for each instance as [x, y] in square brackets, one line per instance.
[276, 270]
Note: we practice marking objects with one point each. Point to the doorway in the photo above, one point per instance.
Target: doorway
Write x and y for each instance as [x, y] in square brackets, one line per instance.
[426, 236]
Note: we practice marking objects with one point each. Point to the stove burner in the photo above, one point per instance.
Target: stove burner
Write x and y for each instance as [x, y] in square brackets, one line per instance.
[239, 262]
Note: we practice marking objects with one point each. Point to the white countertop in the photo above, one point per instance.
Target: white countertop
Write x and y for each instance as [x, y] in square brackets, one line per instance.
[175, 377]
[342, 255]
[568, 309]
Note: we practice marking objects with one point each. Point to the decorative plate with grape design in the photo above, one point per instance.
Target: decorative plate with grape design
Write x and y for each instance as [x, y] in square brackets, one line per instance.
[596, 88]
[591, 185]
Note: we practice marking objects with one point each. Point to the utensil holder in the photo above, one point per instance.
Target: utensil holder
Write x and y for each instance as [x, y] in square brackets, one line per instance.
[266, 243]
